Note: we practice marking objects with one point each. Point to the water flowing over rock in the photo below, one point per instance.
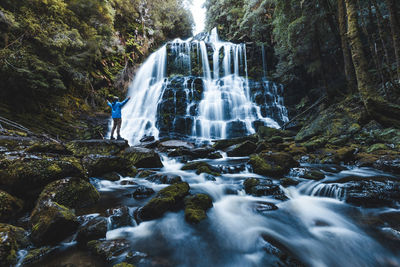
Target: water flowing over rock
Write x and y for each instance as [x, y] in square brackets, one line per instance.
[200, 88]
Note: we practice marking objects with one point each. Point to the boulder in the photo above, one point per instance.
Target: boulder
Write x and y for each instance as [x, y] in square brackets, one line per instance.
[12, 143]
[119, 217]
[265, 132]
[36, 255]
[82, 148]
[201, 167]
[263, 187]
[160, 178]
[9, 206]
[288, 182]
[98, 165]
[196, 207]
[167, 199]
[173, 144]
[312, 174]
[225, 143]
[27, 177]
[73, 193]
[372, 194]
[147, 139]
[272, 164]
[241, 150]
[111, 176]
[12, 239]
[145, 173]
[124, 264]
[263, 207]
[142, 157]
[94, 228]
[49, 148]
[108, 249]
[142, 192]
[197, 153]
[52, 223]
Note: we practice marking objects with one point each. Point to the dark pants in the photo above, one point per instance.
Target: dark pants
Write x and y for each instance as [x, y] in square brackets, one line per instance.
[116, 124]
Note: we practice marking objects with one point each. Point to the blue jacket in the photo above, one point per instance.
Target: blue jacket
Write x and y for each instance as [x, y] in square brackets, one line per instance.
[116, 108]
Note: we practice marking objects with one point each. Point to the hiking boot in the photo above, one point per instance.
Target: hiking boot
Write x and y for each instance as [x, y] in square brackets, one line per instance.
[120, 138]
[112, 138]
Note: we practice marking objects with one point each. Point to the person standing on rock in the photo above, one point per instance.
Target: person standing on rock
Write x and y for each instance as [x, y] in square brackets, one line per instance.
[116, 115]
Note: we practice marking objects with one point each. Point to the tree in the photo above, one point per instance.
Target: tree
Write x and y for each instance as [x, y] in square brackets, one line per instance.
[395, 27]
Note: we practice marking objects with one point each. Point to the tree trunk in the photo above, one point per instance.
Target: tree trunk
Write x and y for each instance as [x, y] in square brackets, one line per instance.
[348, 65]
[395, 26]
[386, 113]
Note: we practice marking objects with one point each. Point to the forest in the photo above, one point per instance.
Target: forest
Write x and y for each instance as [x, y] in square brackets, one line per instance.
[271, 138]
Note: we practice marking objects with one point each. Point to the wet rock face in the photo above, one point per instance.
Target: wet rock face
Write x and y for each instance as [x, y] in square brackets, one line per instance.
[49, 148]
[12, 239]
[244, 149]
[119, 217]
[9, 206]
[73, 193]
[263, 187]
[142, 192]
[94, 228]
[52, 223]
[167, 199]
[272, 164]
[178, 106]
[201, 167]
[164, 178]
[372, 193]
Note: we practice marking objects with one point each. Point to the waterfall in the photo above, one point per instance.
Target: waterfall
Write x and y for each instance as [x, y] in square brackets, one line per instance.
[199, 89]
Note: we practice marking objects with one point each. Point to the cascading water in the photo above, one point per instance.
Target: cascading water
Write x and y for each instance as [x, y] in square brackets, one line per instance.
[199, 89]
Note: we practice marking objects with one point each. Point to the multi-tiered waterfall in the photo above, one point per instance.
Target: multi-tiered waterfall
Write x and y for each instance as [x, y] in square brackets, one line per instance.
[200, 88]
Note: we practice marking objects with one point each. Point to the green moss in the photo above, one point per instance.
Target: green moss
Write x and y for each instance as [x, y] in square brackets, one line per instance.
[250, 183]
[200, 167]
[9, 206]
[124, 264]
[376, 147]
[12, 239]
[272, 164]
[196, 207]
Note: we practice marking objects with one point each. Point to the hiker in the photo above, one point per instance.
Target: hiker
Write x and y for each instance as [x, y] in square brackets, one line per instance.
[116, 115]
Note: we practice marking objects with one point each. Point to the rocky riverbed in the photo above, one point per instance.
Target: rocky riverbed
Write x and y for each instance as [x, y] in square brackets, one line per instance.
[270, 198]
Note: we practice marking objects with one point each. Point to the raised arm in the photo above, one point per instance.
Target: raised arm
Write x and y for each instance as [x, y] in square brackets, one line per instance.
[124, 102]
[108, 103]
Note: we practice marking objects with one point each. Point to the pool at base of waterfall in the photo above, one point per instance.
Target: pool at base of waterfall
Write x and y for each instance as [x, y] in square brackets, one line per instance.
[291, 221]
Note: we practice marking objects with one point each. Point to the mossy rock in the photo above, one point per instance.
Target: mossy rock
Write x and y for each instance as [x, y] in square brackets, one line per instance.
[288, 182]
[96, 146]
[275, 139]
[366, 159]
[73, 193]
[36, 255]
[95, 228]
[27, 177]
[200, 167]
[145, 173]
[272, 164]
[196, 207]
[296, 149]
[263, 187]
[52, 223]
[376, 147]
[265, 132]
[344, 154]
[49, 147]
[12, 239]
[167, 199]
[9, 206]
[97, 165]
[314, 143]
[108, 249]
[225, 143]
[13, 143]
[313, 174]
[241, 150]
[142, 157]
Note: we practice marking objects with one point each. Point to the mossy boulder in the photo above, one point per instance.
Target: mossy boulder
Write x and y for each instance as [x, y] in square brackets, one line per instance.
[344, 154]
[265, 132]
[225, 143]
[36, 255]
[196, 207]
[9, 206]
[288, 182]
[27, 177]
[12, 143]
[52, 223]
[98, 165]
[312, 174]
[119, 217]
[201, 167]
[145, 173]
[12, 239]
[167, 199]
[296, 149]
[241, 150]
[108, 249]
[94, 228]
[272, 164]
[71, 192]
[263, 187]
[142, 157]
[49, 147]
[96, 146]
[376, 147]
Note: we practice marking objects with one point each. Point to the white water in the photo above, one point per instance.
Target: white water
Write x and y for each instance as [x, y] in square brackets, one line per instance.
[226, 108]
